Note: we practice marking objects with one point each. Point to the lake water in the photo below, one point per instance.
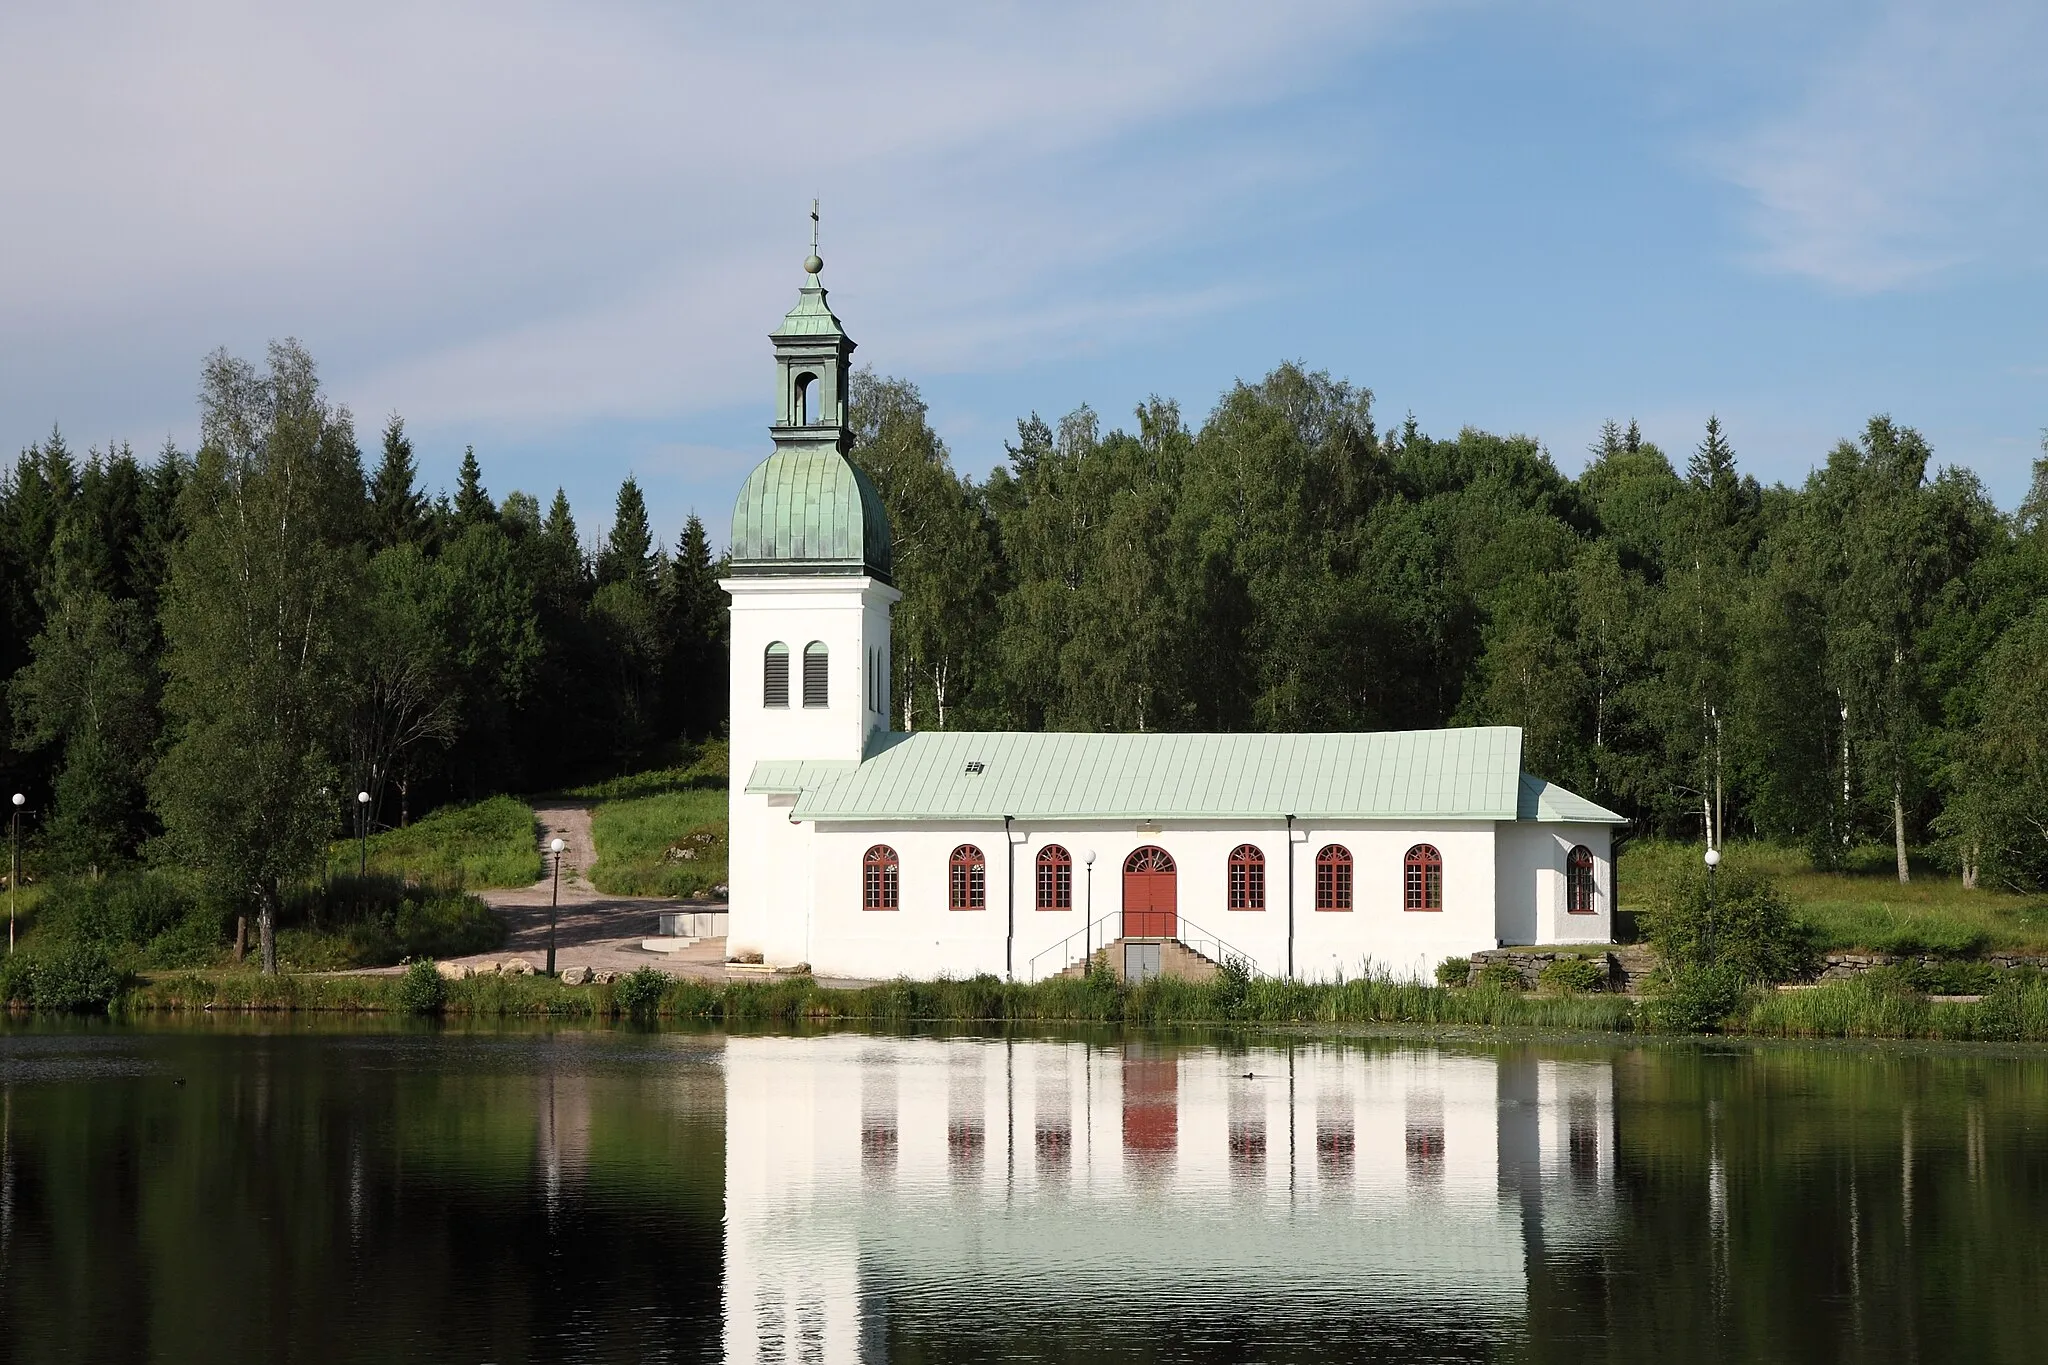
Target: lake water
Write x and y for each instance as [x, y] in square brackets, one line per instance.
[241, 1191]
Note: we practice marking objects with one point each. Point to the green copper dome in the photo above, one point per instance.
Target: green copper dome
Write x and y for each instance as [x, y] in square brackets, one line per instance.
[809, 511]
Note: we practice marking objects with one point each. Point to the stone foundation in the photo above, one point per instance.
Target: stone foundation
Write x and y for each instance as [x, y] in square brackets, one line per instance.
[1627, 967]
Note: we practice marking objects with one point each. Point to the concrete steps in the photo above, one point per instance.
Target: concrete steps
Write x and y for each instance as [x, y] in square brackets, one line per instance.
[1175, 959]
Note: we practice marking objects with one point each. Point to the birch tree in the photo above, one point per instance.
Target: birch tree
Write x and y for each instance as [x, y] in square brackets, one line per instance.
[257, 621]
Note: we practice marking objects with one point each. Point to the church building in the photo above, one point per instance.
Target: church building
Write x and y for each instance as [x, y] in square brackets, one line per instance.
[873, 854]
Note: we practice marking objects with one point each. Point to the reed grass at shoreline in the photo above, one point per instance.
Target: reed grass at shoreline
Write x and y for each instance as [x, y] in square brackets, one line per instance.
[1850, 1009]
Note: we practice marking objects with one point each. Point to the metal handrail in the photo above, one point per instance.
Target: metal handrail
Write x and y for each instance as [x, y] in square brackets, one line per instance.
[1224, 951]
[1187, 933]
[1065, 947]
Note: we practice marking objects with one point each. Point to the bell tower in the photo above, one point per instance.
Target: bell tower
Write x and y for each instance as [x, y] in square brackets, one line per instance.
[811, 595]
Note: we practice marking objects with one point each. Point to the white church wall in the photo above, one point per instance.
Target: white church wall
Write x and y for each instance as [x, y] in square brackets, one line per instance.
[1561, 925]
[1533, 906]
[1518, 855]
[1379, 932]
[925, 938]
[850, 615]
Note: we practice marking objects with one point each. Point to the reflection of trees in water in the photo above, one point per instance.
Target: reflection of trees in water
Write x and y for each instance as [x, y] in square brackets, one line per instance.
[379, 1196]
[352, 1197]
[1875, 1205]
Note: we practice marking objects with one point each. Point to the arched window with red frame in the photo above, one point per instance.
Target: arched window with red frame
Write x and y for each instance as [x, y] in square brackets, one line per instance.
[969, 879]
[879, 878]
[1333, 878]
[1423, 879]
[1247, 878]
[1581, 893]
[1055, 878]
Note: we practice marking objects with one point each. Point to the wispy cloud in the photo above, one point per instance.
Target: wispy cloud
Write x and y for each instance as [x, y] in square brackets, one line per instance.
[531, 212]
[1915, 150]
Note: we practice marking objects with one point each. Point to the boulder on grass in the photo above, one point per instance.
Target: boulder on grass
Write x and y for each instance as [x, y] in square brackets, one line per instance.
[575, 976]
[604, 978]
[484, 969]
[453, 971]
[517, 966]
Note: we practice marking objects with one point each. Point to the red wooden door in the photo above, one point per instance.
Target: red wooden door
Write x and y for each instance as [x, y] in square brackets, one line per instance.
[1150, 902]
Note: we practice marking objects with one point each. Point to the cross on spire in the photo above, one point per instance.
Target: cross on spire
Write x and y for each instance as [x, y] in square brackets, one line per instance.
[814, 227]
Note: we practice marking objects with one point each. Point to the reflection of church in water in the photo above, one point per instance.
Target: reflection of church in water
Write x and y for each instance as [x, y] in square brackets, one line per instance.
[869, 1177]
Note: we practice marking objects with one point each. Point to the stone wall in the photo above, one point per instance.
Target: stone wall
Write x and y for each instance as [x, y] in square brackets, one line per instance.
[1848, 966]
[1627, 967]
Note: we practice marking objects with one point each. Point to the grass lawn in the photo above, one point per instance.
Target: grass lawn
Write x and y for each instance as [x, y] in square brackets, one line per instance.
[492, 843]
[706, 769]
[661, 833]
[642, 842]
[1863, 906]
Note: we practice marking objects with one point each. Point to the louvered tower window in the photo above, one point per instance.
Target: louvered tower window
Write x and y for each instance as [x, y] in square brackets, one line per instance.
[775, 675]
[815, 661]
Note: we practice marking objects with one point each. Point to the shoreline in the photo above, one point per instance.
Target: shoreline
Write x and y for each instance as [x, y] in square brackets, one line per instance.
[1831, 1011]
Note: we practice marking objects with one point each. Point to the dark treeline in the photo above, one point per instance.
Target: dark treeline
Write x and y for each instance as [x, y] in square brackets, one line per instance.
[1864, 657]
[208, 655]
[210, 652]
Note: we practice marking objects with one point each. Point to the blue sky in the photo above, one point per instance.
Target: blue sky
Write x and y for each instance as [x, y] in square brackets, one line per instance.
[561, 232]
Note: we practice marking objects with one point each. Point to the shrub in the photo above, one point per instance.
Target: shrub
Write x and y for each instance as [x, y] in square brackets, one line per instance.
[1454, 971]
[1232, 986]
[137, 918]
[1698, 999]
[64, 976]
[1572, 976]
[1738, 921]
[377, 920]
[421, 990]
[639, 993]
[1501, 976]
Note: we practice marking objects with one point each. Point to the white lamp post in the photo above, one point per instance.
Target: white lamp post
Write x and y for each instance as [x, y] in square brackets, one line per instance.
[362, 834]
[1088, 907]
[1713, 860]
[14, 877]
[554, 899]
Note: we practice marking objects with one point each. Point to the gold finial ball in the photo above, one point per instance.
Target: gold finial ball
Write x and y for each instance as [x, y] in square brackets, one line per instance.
[813, 263]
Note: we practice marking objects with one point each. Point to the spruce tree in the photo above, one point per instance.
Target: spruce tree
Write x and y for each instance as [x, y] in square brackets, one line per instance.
[628, 555]
[90, 693]
[398, 509]
[1712, 466]
[562, 554]
[694, 678]
[473, 506]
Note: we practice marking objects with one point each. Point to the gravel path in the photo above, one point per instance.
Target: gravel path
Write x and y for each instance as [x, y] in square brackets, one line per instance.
[591, 929]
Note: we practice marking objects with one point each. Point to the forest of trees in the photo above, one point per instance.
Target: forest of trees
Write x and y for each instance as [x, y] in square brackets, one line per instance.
[1862, 658]
[206, 655]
